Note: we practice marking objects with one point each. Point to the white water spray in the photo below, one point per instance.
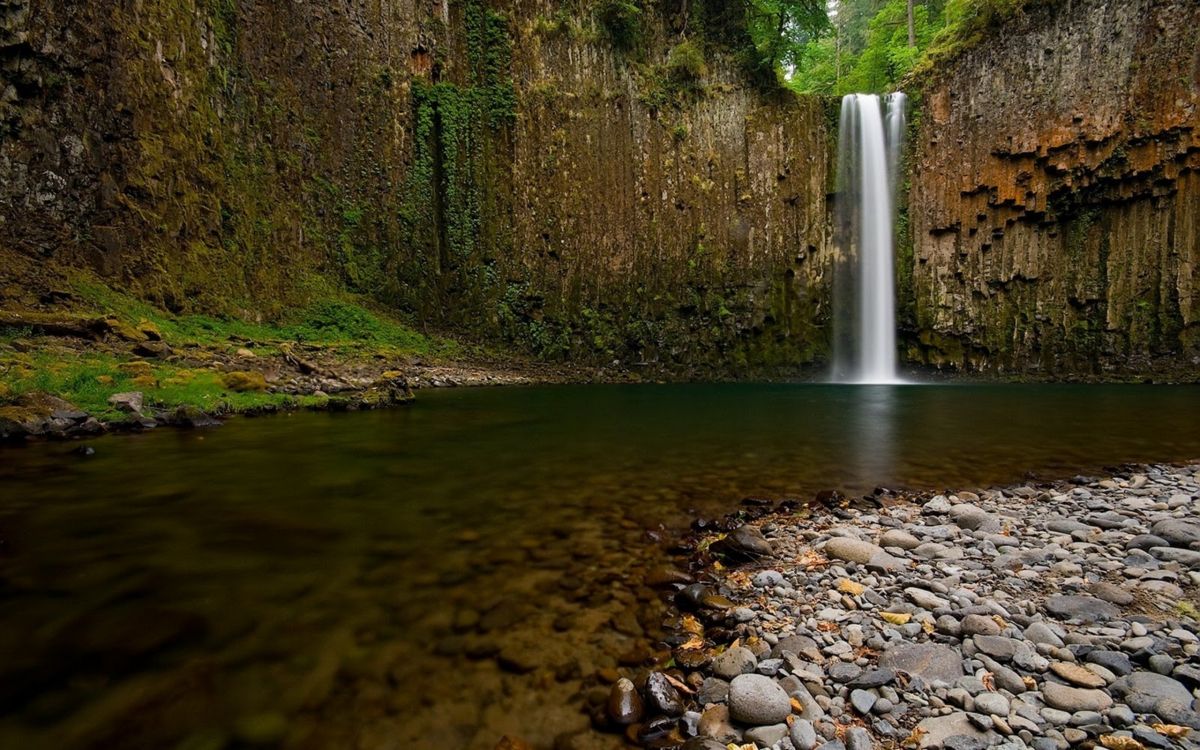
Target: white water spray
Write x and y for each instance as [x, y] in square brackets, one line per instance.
[869, 146]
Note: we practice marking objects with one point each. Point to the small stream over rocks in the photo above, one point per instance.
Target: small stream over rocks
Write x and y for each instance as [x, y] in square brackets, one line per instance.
[1038, 617]
[490, 563]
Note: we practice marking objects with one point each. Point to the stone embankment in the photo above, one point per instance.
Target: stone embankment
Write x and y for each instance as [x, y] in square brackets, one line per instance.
[1031, 617]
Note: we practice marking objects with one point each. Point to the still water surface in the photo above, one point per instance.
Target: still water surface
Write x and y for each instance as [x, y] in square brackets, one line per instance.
[439, 575]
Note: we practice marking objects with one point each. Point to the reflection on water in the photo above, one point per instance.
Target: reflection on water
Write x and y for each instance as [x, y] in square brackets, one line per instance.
[440, 575]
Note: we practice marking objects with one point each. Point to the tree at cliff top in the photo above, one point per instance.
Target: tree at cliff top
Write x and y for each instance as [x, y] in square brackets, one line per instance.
[873, 44]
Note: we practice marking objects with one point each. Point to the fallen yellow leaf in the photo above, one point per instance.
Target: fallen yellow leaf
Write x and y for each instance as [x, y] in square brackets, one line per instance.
[1171, 730]
[846, 586]
[896, 618]
[1117, 742]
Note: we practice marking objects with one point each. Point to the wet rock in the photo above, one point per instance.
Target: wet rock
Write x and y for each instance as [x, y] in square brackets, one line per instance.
[625, 706]
[755, 699]
[662, 695]
[744, 543]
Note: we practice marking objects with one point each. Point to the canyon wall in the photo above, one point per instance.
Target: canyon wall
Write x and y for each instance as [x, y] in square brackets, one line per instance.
[1055, 199]
[531, 172]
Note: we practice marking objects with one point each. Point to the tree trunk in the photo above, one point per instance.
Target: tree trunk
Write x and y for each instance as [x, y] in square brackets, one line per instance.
[912, 32]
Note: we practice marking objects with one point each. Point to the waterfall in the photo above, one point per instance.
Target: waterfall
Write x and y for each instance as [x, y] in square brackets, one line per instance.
[870, 139]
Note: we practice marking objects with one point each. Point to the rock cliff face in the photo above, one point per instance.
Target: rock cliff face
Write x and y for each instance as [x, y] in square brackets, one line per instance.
[504, 169]
[520, 172]
[1055, 198]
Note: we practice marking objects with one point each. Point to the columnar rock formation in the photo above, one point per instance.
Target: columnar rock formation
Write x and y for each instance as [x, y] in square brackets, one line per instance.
[507, 168]
[1055, 201]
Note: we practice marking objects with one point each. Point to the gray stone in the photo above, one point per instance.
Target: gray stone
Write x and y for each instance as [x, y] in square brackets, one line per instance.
[1162, 663]
[1142, 690]
[713, 690]
[858, 738]
[925, 599]
[768, 735]
[130, 402]
[1114, 661]
[898, 538]
[1146, 542]
[843, 671]
[1111, 592]
[928, 661]
[1121, 715]
[1173, 712]
[1073, 699]
[999, 646]
[1188, 557]
[733, 662]
[936, 730]
[991, 703]
[852, 550]
[758, 700]
[1041, 632]
[936, 506]
[768, 578]
[803, 735]
[1177, 531]
[980, 625]
[800, 645]
[862, 700]
[873, 678]
[1083, 608]
[1066, 526]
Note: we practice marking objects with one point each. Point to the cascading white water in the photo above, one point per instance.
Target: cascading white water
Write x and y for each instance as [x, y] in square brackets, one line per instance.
[869, 146]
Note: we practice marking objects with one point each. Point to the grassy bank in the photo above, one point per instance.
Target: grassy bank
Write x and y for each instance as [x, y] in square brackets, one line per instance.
[221, 365]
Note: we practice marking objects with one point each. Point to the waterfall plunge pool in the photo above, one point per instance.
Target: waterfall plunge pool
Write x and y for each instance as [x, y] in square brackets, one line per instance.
[440, 575]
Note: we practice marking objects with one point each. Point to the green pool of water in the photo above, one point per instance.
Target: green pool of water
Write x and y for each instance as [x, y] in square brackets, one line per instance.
[439, 575]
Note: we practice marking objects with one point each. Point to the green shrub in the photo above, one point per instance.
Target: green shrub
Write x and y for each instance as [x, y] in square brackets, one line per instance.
[622, 22]
[685, 62]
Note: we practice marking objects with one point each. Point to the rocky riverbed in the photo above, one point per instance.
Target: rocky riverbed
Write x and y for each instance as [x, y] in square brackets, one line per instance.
[1030, 617]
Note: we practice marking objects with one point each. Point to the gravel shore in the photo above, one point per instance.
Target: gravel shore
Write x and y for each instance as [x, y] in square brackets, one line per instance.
[1031, 617]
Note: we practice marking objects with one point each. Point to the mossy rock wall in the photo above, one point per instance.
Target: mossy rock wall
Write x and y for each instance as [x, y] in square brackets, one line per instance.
[511, 171]
[1055, 196]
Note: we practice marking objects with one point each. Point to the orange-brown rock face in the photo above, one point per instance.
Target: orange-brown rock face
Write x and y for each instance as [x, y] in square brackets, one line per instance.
[1055, 197]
